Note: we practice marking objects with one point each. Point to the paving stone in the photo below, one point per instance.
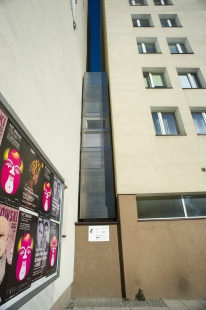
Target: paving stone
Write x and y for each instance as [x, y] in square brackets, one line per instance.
[175, 304]
[193, 304]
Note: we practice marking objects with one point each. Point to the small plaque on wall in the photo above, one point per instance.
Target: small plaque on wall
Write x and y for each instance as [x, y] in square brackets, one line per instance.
[98, 233]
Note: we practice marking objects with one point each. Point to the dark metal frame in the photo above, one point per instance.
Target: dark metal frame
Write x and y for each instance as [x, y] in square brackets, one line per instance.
[38, 286]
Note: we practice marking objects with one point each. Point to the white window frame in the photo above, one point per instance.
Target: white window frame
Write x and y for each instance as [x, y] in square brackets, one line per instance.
[180, 51]
[190, 79]
[145, 50]
[132, 2]
[179, 48]
[168, 18]
[172, 218]
[139, 23]
[137, 18]
[148, 40]
[188, 72]
[162, 2]
[204, 118]
[151, 79]
[169, 23]
[162, 127]
[181, 41]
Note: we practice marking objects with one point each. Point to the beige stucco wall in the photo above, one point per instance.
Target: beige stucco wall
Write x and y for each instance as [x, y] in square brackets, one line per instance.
[145, 163]
[166, 259]
[97, 267]
[43, 60]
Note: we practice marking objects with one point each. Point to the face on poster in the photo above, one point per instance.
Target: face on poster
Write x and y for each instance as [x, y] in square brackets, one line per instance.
[57, 198]
[41, 248]
[22, 265]
[8, 228]
[11, 163]
[47, 192]
[43, 228]
[25, 249]
[46, 197]
[53, 248]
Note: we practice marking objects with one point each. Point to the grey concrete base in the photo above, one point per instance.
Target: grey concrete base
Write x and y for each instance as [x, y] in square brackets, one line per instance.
[63, 300]
[115, 303]
[186, 304]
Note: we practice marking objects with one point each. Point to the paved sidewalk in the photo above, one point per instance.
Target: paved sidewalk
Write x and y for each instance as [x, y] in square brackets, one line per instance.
[184, 304]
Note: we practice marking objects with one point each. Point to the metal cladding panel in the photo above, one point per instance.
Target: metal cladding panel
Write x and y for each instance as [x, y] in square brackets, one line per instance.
[96, 180]
[96, 108]
[95, 205]
[96, 158]
[95, 78]
[95, 92]
[96, 139]
[97, 195]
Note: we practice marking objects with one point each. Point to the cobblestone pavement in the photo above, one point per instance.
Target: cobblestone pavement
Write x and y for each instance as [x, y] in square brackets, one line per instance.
[118, 304]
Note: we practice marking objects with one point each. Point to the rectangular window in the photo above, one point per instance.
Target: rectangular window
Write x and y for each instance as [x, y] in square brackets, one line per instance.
[189, 80]
[199, 119]
[177, 48]
[161, 2]
[168, 23]
[136, 2]
[146, 48]
[195, 205]
[165, 123]
[161, 207]
[141, 23]
[154, 80]
[150, 48]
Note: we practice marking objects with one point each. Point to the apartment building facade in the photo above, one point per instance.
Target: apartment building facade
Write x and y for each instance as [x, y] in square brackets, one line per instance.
[155, 60]
[154, 211]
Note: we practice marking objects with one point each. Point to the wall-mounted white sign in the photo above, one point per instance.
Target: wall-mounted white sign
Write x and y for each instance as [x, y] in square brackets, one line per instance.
[98, 233]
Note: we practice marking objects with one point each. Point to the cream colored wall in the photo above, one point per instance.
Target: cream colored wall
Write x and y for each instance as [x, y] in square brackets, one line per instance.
[43, 60]
[145, 163]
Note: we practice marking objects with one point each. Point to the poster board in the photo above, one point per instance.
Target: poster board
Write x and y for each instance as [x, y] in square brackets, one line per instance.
[31, 207]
